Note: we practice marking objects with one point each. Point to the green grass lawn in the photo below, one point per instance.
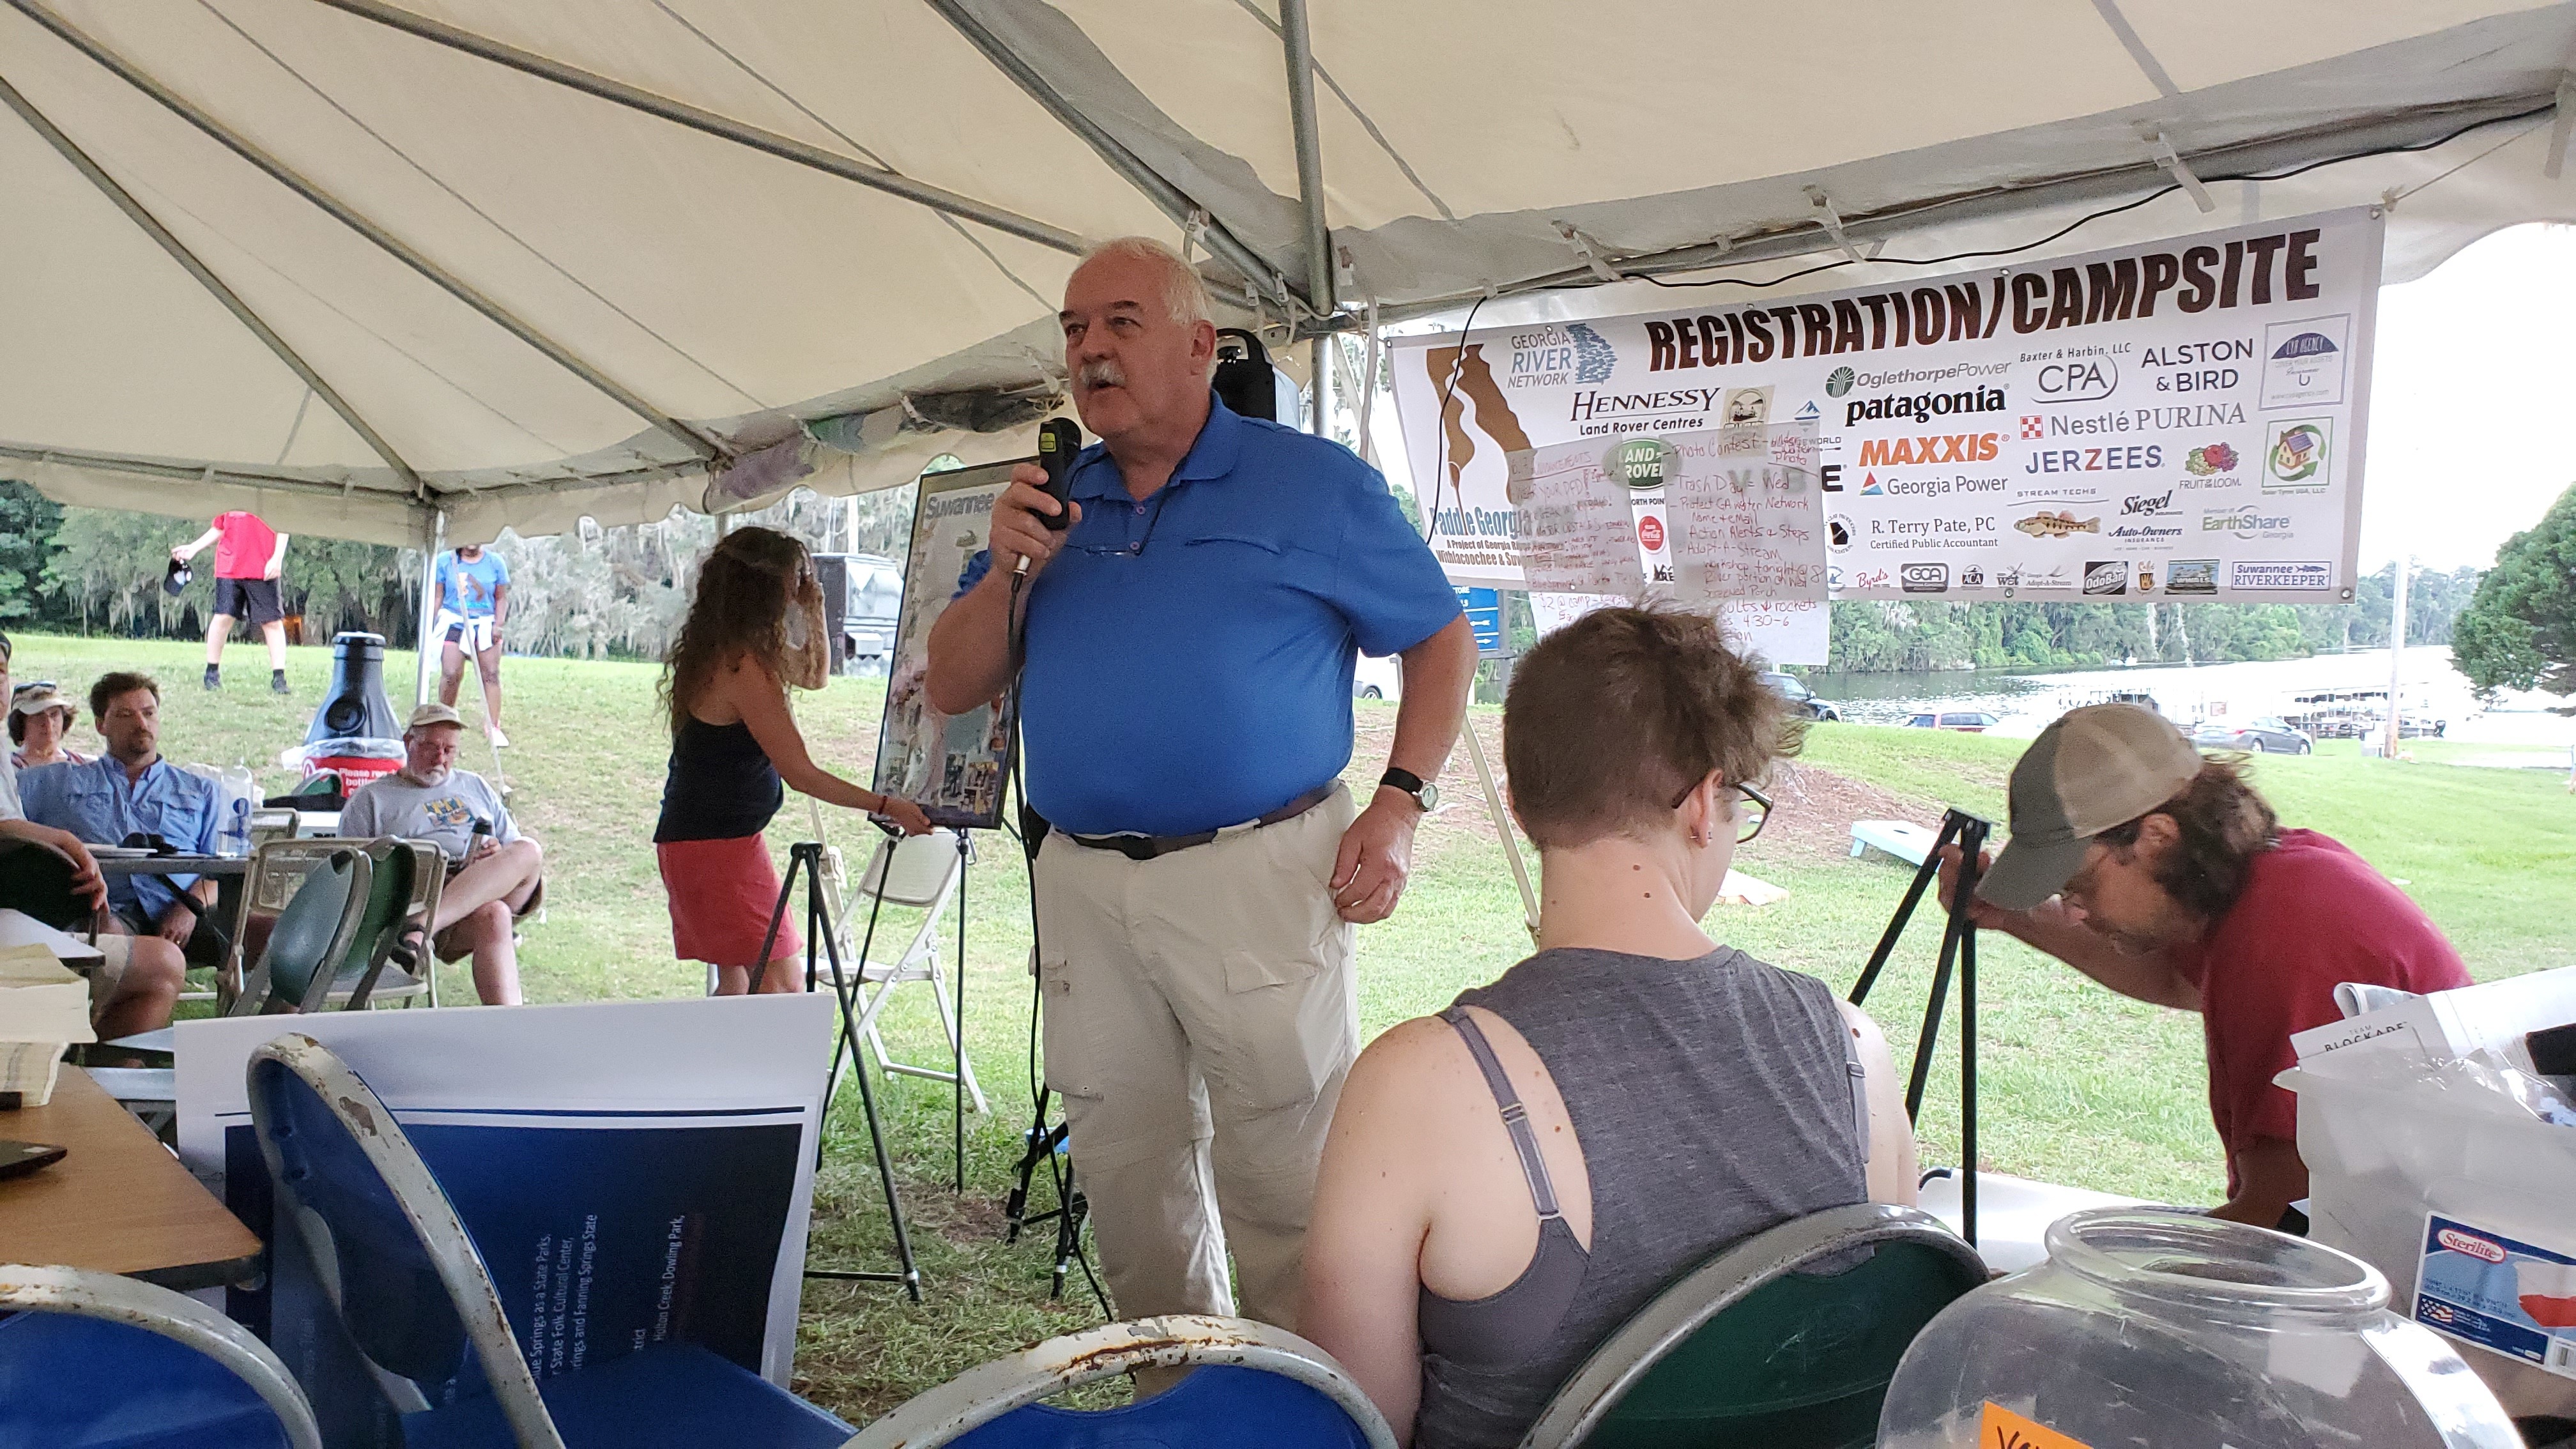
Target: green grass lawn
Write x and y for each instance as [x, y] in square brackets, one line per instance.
[2077, 1086]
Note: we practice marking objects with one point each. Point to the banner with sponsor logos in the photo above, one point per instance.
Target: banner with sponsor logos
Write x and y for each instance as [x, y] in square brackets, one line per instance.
[2173, 420]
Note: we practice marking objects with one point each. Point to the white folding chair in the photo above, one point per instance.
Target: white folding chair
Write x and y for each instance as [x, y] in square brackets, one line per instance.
[922, 872]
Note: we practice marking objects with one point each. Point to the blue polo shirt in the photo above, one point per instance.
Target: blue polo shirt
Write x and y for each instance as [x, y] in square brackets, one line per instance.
[96, 803]
[1189, 657]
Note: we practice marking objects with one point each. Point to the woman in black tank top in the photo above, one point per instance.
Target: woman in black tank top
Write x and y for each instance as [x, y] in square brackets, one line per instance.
[1507, 1183]
[754, 627]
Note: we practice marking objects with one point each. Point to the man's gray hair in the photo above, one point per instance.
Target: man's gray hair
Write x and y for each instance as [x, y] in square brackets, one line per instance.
[1184, 291]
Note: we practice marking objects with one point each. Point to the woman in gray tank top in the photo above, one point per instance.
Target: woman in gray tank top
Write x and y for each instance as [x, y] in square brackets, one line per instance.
[1506, 1183]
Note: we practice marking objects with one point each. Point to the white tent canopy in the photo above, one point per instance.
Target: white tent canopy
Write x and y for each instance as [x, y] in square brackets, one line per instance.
[516, 262]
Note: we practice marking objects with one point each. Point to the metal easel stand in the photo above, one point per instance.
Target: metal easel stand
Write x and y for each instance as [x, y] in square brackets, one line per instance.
[821, 929]
[1959, 947]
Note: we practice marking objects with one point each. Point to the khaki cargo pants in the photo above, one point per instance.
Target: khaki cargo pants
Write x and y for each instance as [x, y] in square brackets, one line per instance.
[1201, 1013]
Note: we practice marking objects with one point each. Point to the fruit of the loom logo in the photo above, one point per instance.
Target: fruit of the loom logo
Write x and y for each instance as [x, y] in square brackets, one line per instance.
[2216, 458]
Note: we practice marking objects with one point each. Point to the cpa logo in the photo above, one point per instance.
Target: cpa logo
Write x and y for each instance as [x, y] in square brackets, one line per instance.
[2082, 380]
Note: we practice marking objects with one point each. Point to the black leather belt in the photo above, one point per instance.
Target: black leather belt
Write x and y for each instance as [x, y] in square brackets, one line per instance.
[1147, 847]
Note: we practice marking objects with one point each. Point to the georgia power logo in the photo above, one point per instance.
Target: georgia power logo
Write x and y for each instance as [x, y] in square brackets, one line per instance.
[1838, 382]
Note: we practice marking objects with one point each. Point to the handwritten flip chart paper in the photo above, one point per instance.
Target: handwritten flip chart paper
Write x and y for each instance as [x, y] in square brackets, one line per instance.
[1781, 631]
[1748, 515]
[1575, 533]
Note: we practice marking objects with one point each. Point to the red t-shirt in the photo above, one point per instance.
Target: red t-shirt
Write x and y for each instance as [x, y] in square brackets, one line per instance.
[242, 546]
[2313, 915]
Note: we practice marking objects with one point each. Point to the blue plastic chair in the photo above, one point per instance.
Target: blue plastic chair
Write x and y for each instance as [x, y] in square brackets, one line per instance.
[1254, 1385]
[421, 1307]
[94, 1361]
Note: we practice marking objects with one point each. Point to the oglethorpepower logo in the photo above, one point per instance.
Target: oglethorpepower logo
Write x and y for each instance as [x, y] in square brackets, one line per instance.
[1838, 382]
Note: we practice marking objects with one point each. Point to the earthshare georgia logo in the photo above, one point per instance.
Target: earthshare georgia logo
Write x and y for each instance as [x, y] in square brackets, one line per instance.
[1838, 382]
[2303, 362]
[1641, 463]
[2295, 455]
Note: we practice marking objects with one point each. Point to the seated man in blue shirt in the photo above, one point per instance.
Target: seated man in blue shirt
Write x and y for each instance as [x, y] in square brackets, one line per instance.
[131, 790]
[1187, 701]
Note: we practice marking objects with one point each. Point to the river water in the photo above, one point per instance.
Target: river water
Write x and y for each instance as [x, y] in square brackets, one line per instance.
[2024, 703]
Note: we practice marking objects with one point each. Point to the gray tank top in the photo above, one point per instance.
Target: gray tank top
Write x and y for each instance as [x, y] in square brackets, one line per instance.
[1713, 1099]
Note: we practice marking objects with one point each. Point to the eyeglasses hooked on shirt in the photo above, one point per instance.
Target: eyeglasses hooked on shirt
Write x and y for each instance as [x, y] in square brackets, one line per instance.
[1133, 549]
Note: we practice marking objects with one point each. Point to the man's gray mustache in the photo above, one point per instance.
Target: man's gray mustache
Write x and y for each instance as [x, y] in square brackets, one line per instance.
[1102, 374]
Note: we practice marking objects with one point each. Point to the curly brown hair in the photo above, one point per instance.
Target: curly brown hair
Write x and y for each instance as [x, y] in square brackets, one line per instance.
[739, 608]
[2223, 825]
[1616, 714]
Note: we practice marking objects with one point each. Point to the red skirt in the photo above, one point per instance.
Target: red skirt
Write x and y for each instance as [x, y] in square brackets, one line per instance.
[722, 895]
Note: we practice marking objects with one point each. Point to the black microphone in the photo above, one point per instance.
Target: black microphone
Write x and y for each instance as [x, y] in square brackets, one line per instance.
[1058, 440]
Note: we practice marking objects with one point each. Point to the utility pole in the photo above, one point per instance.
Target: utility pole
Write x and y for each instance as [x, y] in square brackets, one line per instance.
[2397, 649]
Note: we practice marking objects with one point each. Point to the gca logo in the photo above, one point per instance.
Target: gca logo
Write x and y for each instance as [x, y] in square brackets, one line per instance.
[1925, 578]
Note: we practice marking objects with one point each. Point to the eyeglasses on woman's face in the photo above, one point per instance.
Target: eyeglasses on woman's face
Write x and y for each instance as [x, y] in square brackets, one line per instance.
[1752, 810]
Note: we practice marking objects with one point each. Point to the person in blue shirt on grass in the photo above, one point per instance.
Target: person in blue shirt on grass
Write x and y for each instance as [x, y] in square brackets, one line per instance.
[473, 599]
[1187, 709]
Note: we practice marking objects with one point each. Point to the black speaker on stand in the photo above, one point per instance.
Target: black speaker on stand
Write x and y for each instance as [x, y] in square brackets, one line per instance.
[832, 576]
[355, 706]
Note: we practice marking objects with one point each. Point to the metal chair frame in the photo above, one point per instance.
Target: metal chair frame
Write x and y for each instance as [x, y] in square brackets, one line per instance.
[85, 1293]
[897, 882]
[460, 1267]
[1717, 1285]
[269, 878]
[988, 1391]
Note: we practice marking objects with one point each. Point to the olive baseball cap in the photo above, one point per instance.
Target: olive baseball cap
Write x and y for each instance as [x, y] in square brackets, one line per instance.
[434, 714]
[2098, 767]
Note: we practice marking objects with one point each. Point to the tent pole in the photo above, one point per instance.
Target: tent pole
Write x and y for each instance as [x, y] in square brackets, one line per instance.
[704, 445]
[724, 127]
[178, 250]
[1322, 368]
[1175, 203]
[1299, 43]
[429, 605]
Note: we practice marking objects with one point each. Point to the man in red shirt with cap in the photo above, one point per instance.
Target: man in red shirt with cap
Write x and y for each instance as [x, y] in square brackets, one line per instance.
[249, 556]
[2163, 876]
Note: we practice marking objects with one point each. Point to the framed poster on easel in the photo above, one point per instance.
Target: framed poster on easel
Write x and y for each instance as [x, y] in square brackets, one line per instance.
[953, 766]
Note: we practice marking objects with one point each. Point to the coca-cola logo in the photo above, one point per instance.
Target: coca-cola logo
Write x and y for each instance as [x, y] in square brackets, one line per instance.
[1650, 532]
[2471, 1244]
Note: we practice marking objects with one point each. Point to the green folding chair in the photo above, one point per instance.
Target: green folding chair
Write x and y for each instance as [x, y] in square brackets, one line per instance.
[401, 885]
[1785, 1341]
[313, 934]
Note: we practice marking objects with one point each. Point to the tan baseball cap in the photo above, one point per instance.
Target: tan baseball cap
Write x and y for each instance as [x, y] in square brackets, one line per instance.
[37, 698]
[2098, 767]
[434, 714]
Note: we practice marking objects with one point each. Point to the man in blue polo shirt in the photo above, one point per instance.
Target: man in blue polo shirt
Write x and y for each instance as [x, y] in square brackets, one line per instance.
[129, 790]
[1187, 709]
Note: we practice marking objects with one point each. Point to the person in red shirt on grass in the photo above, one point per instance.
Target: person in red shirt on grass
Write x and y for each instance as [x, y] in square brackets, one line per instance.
[249, 557]
[2165, 877]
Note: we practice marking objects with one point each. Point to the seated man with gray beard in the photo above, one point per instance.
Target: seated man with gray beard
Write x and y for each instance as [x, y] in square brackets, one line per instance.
[495, 874]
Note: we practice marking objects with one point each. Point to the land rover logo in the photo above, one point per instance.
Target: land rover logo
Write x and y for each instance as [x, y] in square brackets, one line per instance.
[1641, 463]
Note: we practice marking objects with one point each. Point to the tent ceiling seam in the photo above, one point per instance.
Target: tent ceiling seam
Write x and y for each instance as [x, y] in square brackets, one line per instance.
[1366, 123]
[462, 200]
[1176, 204]
[869, 152]
[1797, 238]
[2152, 68]
[215, 286]
[696, 118]
[697, 441]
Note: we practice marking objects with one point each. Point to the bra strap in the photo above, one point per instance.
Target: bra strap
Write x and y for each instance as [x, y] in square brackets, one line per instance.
[1515, 1116]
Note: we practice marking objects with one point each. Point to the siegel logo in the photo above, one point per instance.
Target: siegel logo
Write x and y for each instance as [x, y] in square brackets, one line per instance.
[2147, 505]
[2111, 577]
[1925, 578]
[2471, 1244]
[2192, 576]
[2081, 380]
[1838, 382]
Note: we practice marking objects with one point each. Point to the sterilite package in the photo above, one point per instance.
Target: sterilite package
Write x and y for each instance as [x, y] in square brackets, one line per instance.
[2500, 1293]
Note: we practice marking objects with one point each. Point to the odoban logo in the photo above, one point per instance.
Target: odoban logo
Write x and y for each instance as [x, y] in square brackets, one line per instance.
[2474, 1246]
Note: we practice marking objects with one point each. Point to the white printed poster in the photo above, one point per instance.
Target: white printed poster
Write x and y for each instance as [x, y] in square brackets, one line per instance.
[1775, 631]
[951, 765]
[2172, 420]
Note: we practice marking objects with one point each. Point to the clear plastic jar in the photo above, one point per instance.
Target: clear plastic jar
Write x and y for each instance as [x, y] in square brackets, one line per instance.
[2150, 1329]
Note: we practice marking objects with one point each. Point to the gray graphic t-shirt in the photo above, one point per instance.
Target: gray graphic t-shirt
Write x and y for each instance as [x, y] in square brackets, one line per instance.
[443, 813]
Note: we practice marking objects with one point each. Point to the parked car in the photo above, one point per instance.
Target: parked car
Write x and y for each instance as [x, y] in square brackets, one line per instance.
[1965, 721]
[2264, 735]
[1377, 678]
[1802, 699]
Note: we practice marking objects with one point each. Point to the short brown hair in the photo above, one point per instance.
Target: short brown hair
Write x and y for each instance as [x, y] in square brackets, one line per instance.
[123, 681]
[2223, 826]
[1616, 714]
